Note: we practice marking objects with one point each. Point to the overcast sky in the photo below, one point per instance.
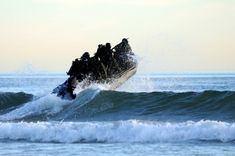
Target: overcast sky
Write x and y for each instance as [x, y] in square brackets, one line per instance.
[167, 35]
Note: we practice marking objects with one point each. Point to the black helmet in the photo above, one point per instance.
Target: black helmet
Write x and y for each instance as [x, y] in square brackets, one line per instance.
[100, 45]
[108, 45]
[125, 40]
[86, 55]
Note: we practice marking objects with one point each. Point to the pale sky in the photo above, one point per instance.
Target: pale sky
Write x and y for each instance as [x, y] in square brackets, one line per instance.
[167, 35]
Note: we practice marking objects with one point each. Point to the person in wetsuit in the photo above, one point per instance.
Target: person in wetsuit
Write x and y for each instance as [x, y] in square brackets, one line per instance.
[83, 67]
[122, 53]
[104, 54]
[78, 71]
[73, 68]
[100, 53]
[95, 68]
[123, 47]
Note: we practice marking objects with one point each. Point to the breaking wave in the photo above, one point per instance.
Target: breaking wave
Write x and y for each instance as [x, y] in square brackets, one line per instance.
[97, 104]
[98, 115]
[130, 131]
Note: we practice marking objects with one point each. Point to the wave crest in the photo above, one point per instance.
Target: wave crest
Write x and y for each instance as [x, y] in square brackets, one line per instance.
[95, 104]
[9, 99]
[120, 131]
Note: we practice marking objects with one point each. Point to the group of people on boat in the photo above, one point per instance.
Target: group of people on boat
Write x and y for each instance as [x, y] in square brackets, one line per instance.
[106, 62]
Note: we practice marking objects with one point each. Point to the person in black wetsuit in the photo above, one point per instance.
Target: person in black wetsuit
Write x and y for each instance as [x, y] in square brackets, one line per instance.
[95, 68]
[123, 47]
[83, 67]
[100, 53]
[104, 54]
[122, 53]
[73, 68]
[78, 71]
[108, 54]
[110, 62]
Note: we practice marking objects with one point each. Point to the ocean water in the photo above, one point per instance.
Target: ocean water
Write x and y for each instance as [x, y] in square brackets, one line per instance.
[151, 114]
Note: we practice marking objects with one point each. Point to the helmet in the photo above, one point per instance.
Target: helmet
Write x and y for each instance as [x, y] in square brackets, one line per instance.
[108, 45]
[86, 55]
[125, 40]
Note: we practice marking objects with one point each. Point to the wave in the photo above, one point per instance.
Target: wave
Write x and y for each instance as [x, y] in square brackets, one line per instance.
[47, 106]
[130, 131]
[10, 99]
[112, 105]
[99, 105]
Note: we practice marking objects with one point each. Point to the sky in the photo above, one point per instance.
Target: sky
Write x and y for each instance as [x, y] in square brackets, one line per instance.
[166, 35]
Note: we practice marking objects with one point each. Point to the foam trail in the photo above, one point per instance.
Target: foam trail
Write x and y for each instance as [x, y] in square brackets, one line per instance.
[120, 131]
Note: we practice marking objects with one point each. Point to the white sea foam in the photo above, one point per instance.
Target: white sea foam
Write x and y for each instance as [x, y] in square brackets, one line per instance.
[49, 104]
[119, 131]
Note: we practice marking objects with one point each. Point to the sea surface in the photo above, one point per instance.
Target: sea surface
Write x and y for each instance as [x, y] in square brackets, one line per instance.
[151, 114]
